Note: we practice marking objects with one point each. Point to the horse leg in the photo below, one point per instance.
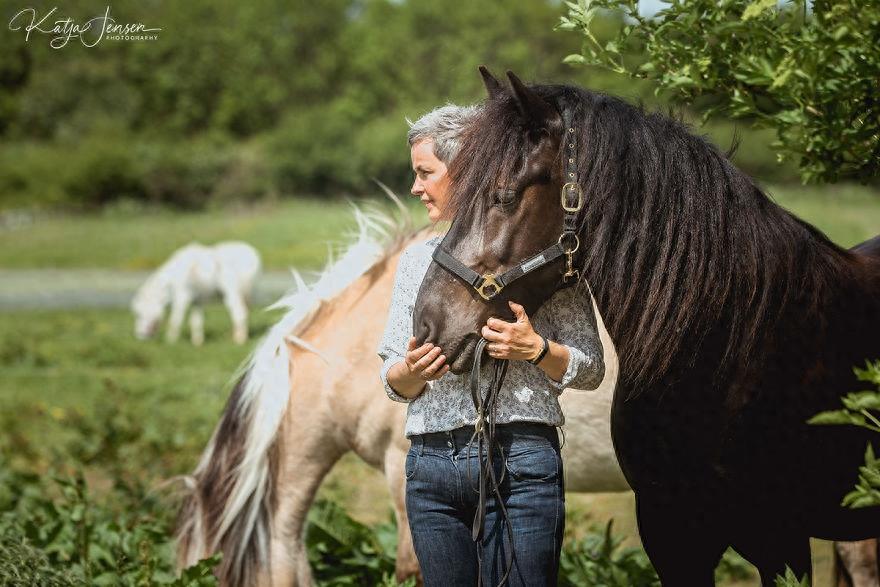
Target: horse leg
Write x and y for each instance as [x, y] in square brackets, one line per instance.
[407, 564]
[197, 325]
[771, 550]
[683, 545]
[179, 304]
[309, 452]
[238, 312]
[859, 562]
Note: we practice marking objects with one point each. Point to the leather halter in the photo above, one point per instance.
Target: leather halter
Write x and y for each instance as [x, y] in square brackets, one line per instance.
[488, 286]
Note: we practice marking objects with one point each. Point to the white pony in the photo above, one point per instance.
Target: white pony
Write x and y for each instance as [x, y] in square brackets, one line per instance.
[194, 274]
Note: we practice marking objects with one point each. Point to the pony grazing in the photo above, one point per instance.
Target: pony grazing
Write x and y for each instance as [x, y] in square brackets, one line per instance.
[734, 321]
[191, 276]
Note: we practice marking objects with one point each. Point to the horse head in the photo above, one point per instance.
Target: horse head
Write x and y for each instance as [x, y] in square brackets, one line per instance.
[507, 215]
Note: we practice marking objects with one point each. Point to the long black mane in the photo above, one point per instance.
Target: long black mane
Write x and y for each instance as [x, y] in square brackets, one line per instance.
[682, 250]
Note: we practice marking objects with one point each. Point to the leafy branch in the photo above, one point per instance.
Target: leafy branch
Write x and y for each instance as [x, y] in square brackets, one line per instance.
[810, 75]
[859, 409]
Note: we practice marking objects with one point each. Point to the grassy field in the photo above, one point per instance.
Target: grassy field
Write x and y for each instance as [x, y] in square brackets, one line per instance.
[290, 232]
[295, 232]
[77, 385]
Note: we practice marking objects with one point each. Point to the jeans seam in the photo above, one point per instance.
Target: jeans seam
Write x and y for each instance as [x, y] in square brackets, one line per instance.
[556, 521]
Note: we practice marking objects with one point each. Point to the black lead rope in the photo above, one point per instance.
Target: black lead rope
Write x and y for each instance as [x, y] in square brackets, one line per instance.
[484, 433]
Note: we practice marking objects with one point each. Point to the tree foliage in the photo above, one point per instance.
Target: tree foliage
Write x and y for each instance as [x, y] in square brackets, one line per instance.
[861, 408]
[813, 75]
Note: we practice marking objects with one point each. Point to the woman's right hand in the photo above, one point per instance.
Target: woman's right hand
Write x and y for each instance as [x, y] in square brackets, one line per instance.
[425, 363]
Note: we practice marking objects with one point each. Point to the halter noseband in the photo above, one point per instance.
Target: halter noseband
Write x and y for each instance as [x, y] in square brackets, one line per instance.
[490, 285]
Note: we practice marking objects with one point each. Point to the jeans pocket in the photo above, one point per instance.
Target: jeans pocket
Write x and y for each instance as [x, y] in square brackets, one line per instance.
[411, 464]
[539, 464]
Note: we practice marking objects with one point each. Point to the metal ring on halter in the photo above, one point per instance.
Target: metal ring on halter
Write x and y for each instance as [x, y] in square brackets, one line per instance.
[489, 281]
[577, 242]
[571, 186]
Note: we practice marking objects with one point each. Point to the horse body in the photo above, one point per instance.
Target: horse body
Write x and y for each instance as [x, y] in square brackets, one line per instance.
[191, 276]
[716, 465]
[735, 322]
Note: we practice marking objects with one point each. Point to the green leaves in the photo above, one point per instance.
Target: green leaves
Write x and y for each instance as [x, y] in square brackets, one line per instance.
[811, 77]
[757, 8]
[52, 532]
[867, 491]
[861, 408]
[597, 559]
[791, 580]
[342, 551]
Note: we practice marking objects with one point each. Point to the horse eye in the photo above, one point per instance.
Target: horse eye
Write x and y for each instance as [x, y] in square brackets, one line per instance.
[505, 197]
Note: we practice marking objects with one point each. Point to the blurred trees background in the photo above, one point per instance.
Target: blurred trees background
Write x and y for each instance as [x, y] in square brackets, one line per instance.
[244, 100]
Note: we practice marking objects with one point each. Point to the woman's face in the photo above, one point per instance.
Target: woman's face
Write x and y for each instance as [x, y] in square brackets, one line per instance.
[431, 183]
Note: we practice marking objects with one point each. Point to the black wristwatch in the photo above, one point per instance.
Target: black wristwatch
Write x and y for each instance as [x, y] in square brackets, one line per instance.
[543, 352]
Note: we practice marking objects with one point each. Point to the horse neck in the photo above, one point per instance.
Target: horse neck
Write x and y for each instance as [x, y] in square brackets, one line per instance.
[677, 293]
[157, 287]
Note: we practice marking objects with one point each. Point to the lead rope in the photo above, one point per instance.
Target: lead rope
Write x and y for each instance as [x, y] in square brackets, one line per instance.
[484, 433]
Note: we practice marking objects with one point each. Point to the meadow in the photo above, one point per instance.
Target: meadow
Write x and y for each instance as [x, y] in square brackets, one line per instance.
[93, 419]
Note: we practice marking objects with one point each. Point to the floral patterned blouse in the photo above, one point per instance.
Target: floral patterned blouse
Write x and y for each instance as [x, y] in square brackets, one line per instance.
[527, 393]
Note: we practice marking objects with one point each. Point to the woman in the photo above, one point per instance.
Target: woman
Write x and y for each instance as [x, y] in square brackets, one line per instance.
[559, 348]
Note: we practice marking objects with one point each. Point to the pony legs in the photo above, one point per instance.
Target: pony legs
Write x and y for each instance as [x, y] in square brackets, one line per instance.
[197, 325]
[179, 304]
[308, 455]
[684, 549]
[860, 561]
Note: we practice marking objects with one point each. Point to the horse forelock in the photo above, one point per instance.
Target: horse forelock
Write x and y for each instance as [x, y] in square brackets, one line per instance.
[680, 247]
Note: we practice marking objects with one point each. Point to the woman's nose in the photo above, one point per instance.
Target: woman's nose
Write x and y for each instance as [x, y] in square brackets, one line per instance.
[417, 188]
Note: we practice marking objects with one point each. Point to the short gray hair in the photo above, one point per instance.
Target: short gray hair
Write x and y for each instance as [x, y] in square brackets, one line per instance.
[443, 126]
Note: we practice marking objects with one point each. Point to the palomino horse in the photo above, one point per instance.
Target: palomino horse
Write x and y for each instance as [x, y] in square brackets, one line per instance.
[192, 275]
[308, 394]
[735, 322]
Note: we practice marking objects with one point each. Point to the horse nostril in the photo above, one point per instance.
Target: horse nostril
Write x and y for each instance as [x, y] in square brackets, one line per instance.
[424, 333]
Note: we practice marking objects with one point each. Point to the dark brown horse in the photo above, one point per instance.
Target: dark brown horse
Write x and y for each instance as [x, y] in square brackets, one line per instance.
[734, 320]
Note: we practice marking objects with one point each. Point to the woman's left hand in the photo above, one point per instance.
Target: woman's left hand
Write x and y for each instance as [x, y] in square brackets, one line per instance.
[512, 340]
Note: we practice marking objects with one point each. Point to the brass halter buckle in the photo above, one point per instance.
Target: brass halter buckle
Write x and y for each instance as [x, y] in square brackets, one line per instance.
[494, 288]
[572, 188]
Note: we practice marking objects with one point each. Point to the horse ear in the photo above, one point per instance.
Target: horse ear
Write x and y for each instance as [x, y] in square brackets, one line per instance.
[535, 108]
[493, 86]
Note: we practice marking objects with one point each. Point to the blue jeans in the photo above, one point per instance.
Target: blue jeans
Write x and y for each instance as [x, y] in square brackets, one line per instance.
[441, 502]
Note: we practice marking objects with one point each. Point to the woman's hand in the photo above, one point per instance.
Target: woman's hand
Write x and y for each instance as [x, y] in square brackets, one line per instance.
[419, 365]
[512, 340]
[426, 362]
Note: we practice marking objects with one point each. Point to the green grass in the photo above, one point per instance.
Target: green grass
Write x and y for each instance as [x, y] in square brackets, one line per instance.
[290, 232]
[296, 232]
[847, 214]
[62, 369]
